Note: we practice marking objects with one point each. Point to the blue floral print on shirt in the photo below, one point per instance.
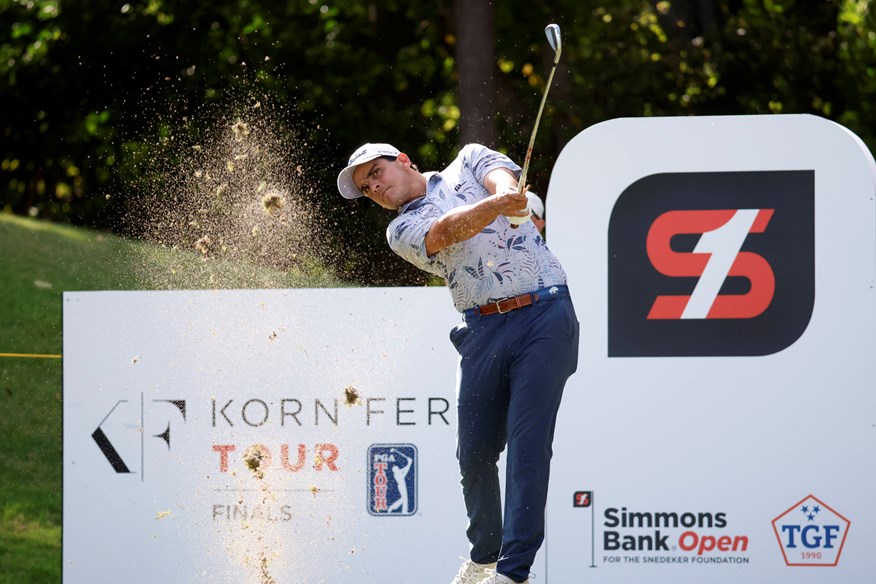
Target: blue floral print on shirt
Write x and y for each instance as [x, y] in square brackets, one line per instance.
[497, 262]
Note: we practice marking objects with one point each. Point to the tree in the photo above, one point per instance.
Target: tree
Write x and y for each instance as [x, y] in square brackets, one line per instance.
[93, 91]
[476, 71]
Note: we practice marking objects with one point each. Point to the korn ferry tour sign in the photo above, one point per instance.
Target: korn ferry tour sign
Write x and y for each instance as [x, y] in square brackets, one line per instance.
[724, 428]
[721, 426]
[254, 436]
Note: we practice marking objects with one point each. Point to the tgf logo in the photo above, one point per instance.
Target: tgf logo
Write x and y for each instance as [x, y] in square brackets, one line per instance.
[811, 533]
[711, 264]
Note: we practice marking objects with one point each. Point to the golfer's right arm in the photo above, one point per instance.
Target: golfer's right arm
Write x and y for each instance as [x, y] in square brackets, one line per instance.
[461, 223]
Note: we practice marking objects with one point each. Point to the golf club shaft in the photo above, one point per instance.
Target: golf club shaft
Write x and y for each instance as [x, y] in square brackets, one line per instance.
[554, 39]
[522, 182]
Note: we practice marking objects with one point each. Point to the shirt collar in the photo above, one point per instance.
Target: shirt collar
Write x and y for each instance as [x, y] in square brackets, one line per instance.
[432, 178]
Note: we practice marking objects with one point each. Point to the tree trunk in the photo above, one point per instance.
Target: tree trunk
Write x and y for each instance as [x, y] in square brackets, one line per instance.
[476, 70]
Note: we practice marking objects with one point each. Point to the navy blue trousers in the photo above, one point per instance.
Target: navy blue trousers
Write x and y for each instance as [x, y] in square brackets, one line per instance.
[512, 371]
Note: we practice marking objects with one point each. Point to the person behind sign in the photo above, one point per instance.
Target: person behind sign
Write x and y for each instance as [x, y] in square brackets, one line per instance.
[517, 342]
[536, 207]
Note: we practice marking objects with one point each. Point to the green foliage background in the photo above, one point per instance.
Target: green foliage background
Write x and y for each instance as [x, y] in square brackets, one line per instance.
[89, 86]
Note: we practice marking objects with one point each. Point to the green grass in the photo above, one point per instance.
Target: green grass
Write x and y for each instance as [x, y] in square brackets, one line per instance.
[38, 262]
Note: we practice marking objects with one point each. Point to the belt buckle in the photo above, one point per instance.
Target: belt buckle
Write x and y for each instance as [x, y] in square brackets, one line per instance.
[499, 306]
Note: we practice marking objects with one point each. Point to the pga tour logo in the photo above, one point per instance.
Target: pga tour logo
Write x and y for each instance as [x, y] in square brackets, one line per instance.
[392, 479]
[811, 533]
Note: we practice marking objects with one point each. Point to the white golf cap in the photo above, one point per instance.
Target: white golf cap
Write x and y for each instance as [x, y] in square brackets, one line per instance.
[363, 154]
[535, 204]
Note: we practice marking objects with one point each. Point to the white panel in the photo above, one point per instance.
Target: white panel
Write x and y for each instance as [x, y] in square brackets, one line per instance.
[234, 357]
[746, 437]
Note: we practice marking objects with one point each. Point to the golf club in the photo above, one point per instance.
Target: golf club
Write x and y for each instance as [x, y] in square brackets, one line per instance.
[552, 31]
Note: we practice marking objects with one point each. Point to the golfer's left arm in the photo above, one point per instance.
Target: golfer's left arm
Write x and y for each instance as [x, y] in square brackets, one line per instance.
[466, 221]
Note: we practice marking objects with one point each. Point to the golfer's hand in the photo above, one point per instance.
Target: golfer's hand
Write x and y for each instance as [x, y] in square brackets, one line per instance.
[511, 202]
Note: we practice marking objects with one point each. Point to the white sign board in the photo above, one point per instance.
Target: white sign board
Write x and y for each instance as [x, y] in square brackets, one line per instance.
[260, 436]
[720, 428]
[722, 424]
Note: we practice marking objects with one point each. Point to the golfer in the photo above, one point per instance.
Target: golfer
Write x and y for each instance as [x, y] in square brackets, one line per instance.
[518, 339]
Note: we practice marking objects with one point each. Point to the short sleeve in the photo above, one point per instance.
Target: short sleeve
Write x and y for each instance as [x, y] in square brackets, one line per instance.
[481, 160]
[407, 235]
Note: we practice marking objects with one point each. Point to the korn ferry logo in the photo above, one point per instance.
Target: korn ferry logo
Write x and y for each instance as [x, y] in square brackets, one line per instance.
[811, 533]
[711, 264]
[392, 479]
[121, 430]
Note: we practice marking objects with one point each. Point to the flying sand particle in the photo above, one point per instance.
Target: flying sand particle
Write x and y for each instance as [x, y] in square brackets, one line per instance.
[272, 202]
[204, 245]
[351, 396]
[243, 179]
[240, 129]
[254, 457]
[266, 576]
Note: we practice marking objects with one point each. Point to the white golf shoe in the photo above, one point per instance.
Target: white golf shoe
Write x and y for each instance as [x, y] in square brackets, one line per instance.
[473, 573]
[495, 577]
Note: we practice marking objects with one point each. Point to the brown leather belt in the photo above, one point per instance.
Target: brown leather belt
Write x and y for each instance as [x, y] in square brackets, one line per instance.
[508, 304]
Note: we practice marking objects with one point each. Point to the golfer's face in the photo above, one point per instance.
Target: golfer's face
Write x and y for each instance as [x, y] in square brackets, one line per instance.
[383, 181]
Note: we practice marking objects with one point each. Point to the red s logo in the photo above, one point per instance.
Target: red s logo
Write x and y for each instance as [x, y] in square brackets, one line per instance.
[716, 256]
[711, 264]
[583, 499]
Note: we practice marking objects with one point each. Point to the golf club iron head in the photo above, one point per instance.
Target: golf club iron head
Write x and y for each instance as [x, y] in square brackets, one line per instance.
[552, 31]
